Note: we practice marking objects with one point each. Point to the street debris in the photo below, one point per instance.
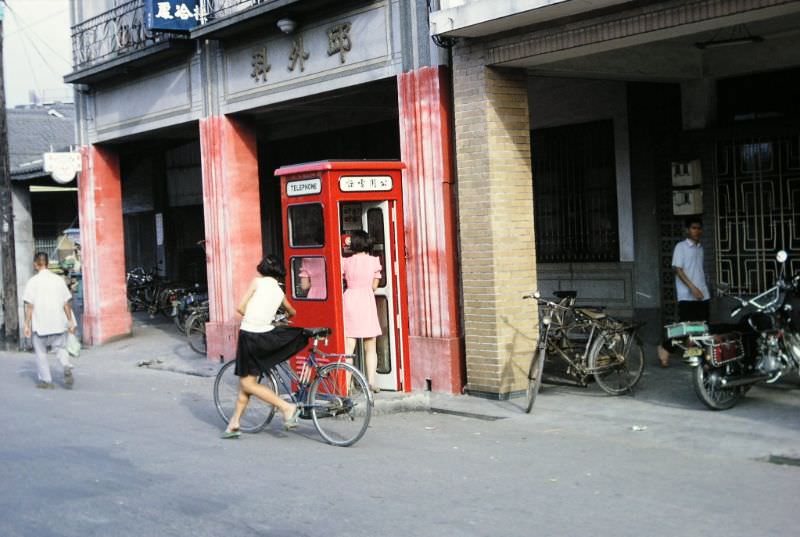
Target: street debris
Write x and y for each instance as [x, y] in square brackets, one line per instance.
[638, 427]
[148, 363]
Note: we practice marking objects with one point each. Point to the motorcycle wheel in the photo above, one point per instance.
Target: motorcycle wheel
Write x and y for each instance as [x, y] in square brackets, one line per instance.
[713, 396]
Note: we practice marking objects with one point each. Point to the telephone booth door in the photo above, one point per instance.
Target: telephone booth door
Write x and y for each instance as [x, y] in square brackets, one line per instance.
[378, 219]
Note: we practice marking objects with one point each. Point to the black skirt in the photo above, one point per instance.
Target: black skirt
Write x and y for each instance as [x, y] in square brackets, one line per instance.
[258, 352]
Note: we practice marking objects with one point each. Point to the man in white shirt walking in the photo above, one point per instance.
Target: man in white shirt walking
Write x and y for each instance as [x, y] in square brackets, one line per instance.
[690, 281]
[48, 316]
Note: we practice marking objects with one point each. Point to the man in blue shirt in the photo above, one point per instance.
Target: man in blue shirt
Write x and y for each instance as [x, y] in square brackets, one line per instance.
[690, 281]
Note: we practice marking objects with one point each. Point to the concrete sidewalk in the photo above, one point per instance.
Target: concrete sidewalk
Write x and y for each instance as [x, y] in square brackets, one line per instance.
[663, 408]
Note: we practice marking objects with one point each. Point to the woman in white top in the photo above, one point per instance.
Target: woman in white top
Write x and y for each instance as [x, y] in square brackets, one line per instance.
[261, 345]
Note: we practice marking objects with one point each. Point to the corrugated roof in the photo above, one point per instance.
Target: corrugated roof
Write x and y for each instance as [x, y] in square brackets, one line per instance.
[33, 131]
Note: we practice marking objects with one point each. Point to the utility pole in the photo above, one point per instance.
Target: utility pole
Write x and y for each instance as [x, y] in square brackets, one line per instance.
[10, 307]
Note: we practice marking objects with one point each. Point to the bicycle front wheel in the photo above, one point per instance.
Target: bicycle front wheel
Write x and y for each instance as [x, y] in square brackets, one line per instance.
[180, 321]
[341, 415]
[534, 378]
[196, 333]
[617, 362]
[226, 390]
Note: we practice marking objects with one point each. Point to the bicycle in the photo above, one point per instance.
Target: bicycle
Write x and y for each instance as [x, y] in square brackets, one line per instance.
[340, 412]
[593, 345]
[196, 328]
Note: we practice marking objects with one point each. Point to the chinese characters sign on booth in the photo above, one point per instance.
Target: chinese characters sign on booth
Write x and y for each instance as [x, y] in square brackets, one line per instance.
[174, 15]
[368, 183]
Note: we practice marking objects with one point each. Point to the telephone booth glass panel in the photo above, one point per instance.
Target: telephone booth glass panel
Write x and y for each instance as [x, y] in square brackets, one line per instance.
[375, 223]
[309, 278]
[306, 226]
[383, 342]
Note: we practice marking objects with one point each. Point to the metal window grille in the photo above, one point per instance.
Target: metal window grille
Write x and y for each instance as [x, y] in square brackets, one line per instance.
[48, 246]
[575, 193]
[757, 184]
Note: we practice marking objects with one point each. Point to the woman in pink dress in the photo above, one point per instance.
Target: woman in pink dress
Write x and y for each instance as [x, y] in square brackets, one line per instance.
[312, 278]
[362, 272]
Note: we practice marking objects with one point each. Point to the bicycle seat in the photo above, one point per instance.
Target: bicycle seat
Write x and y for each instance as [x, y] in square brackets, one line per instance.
[317, 332]
[592, 314]
[565, 294]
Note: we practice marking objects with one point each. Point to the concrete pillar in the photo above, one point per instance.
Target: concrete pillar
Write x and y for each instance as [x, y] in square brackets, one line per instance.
[435, 341]
[495, 199]
[23, 243]
[106, 315]
[698, 103]
[232, 210]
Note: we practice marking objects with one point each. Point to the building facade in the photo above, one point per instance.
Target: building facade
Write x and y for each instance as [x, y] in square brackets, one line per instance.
[547, 144]
[586, 131]
[43, 209]
[181, 134]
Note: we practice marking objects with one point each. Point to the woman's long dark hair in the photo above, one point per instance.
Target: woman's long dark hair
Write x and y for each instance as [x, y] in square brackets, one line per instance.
[360, 242]
[271, 266]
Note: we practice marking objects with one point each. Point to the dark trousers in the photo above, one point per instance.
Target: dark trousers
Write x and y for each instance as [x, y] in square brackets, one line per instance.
[689, 310]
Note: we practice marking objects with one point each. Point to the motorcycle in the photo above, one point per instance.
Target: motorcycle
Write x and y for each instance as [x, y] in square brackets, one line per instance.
[762, 347]
[140, 286]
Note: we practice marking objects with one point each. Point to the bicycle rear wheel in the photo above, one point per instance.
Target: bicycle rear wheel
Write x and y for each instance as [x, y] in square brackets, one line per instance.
[226, 390]
[617, 362]
[341, 416]
[534, 378]
[196, 333]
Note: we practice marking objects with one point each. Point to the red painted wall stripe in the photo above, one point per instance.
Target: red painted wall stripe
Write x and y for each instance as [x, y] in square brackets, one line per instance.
[105, 313]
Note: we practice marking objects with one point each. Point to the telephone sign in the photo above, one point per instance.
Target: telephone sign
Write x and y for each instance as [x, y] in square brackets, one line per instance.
[303, 188]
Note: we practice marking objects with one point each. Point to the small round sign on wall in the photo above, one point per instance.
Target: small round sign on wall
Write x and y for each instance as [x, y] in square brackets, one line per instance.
[62, 166]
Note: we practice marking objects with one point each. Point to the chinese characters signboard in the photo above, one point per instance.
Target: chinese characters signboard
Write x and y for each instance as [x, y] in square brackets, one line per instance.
[62, 166]
[260, 65]
[274, 62]
[338, 40]
[370, 183]
[174, 15]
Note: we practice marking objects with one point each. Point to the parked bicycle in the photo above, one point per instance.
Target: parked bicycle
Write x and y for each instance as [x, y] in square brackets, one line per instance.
[196, 328]
[329, 391]
[184, 305]
[592, 345]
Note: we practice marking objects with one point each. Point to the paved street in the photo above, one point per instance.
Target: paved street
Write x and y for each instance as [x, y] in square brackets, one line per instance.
[133, 451]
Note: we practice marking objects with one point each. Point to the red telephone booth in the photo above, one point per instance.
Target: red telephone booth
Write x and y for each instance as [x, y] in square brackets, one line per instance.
[321, 204]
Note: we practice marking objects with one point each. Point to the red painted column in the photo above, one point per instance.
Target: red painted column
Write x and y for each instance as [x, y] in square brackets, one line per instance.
[232, 209]
[435, 336]
[105, 304]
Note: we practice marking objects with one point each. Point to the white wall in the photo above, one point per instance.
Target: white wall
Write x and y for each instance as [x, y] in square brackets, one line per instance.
[92, 8]
[23, 245]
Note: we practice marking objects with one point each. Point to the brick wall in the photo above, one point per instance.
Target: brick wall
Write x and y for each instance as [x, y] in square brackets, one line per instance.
[498, 260]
